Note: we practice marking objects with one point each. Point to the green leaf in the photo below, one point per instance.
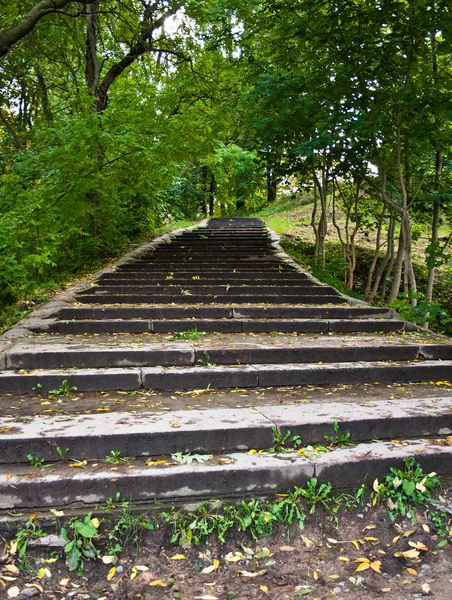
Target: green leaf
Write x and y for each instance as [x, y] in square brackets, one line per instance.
[408, 487]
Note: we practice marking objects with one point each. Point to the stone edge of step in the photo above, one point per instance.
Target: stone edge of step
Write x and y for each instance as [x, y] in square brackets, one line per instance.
[203, 377]
[244, 475]
[220, 430]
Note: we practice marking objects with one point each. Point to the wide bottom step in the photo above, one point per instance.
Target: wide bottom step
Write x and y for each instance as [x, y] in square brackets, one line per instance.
[237, 474]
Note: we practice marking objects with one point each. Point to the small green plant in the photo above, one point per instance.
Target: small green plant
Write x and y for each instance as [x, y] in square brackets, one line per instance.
[288, 509]
[284, 442]
[442, 523]
[317, 495]
[190, 334]
[195, 526]
[63, 454]
[115, 458]
[65, 389]
[80, 537]
[35, 461]
[402, 489]
[187, 459]
[256, 517]
[227, 287]
[31, 531]
[205, 361]
[185, 292]
[338, 440]
[128, 528]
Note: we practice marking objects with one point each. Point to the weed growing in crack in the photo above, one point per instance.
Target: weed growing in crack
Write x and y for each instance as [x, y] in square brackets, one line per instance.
[205, 361]
[283, 442]
[190, 334]
[338, 440]
[65, 389]
[115, 458]
[35, 461]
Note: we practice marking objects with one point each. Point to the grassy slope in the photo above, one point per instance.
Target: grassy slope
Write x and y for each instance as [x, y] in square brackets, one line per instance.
[291, 219]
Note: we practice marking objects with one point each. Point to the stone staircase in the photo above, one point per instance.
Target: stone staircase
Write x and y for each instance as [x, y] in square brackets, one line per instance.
[215, 307]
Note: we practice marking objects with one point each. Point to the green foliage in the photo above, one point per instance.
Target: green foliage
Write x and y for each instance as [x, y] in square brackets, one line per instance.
[31, 531]
[284, 442]
[338, 440]
[424, 310]
[403, 489]
[317, 495]
[35, 461]
[80, 537]
[65, 389]
[115, 458]
[127, 528]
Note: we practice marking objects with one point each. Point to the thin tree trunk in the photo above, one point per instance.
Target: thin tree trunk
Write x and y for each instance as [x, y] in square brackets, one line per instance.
[389, 256]
[397, 274]
[373, 265]
[212, 194]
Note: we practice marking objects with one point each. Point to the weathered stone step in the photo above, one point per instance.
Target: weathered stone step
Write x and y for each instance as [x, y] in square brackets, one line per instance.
[328, 298]
[207, 268]
[195, 378]
[224, 312]
[220, 430]
[174, 378]
[264, 262]
[197, 288]
[176, 280]
[30, 487]
[229, 325]
[178, 277]
[55, 356]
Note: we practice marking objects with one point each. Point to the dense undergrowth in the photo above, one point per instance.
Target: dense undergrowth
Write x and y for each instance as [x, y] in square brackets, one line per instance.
[15, 306]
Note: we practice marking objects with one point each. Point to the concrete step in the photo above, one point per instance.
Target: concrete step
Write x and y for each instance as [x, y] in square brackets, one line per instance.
[225, 312]
[26, 487]
[229, 325]
[330, 298]
[220, 430]
[215, 278]
[196, 378]
[196, 289]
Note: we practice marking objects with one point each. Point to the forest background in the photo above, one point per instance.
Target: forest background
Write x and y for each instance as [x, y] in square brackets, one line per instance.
[120, 116]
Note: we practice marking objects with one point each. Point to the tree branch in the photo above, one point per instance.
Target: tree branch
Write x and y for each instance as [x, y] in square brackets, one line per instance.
[10, 37]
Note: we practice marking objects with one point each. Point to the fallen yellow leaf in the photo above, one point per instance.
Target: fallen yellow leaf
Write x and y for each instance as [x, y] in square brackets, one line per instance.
[111, 573]
[178, 557]
[412, 571]
[158, 583]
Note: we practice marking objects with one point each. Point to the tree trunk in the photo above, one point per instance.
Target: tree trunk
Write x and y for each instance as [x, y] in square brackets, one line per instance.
[212, 187]
[370, 273]
[389, 256]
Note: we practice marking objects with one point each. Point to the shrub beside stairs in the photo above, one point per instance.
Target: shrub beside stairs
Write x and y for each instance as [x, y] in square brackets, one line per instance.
[270, 324]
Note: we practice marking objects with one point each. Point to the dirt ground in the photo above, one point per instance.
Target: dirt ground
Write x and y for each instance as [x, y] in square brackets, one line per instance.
[318, 562]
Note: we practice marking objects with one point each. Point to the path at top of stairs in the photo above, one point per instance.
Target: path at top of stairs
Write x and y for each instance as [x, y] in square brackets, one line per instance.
[221, 310]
